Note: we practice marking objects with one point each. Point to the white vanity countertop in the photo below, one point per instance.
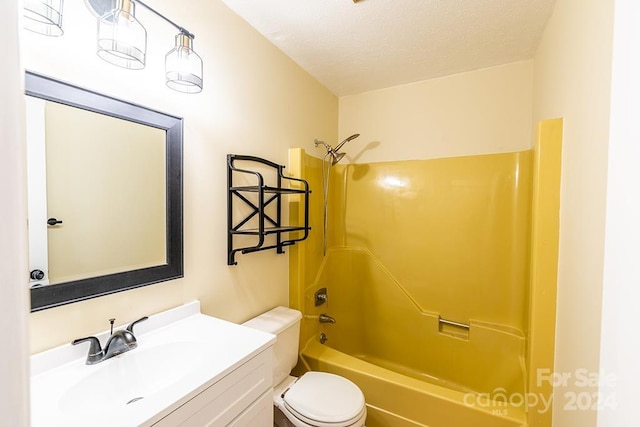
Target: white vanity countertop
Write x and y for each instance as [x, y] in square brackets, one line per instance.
[180, 353]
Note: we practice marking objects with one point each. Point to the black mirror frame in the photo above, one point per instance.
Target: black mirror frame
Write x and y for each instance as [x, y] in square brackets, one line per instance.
[66, 293]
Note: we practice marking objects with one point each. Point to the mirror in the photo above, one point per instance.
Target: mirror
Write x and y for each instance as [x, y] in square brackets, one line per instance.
[125, 208]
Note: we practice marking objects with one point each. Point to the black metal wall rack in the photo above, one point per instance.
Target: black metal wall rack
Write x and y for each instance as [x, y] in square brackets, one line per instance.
[258, 222]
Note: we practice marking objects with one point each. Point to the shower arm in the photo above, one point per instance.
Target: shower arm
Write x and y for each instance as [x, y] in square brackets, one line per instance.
[327, 146]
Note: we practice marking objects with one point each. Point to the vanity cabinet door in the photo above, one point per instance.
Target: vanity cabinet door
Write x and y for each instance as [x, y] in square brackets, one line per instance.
[260, 414]
[240, 393]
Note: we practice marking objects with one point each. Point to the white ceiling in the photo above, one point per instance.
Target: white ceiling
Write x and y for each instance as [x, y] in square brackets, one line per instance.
[372, 44]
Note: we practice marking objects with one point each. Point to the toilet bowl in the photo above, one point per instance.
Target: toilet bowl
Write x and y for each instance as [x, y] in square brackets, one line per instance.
[315, 399]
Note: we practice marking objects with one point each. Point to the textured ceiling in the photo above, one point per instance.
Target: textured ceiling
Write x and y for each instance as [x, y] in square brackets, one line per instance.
[372, 44]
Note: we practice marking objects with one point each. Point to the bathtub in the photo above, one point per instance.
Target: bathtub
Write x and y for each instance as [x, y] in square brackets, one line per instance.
[414, 369]
[397, 400]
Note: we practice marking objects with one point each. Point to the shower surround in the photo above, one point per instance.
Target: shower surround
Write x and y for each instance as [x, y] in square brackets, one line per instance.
[428, 277]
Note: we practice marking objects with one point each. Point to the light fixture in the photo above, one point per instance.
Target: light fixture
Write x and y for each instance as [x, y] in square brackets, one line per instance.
[43, 17]
[122, 40]
[183, 66]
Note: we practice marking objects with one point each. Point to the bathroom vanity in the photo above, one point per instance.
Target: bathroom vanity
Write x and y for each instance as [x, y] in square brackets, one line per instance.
[189, 369]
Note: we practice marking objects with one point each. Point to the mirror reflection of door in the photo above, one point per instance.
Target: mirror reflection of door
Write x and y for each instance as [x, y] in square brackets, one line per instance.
[37, 192]
[105, 180]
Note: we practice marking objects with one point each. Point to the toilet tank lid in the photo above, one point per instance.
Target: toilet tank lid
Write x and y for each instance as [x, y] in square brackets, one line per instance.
[275, 320]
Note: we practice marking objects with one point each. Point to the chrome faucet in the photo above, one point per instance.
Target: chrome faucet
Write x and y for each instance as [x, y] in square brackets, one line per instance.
[325, 318]
[119, 342]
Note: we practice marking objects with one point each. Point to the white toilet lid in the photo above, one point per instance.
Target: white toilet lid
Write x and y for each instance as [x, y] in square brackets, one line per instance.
[320, 397]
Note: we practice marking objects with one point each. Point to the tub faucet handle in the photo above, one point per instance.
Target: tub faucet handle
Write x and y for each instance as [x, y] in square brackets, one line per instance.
[320, 297]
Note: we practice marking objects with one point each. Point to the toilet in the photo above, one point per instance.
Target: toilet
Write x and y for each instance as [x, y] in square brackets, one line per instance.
[317, 399]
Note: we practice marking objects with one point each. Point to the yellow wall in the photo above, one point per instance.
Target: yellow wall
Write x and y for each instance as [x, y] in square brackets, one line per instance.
[255, 101]
[378, 320]
[479, 112]
[454, 232]
[572, 80]
[309, 168]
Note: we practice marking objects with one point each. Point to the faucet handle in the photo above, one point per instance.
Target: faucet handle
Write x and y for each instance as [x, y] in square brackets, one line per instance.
[95, 350]
[130, 327]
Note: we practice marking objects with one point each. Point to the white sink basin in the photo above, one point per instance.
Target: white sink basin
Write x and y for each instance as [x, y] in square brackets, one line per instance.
[180, 353]
[133, 376]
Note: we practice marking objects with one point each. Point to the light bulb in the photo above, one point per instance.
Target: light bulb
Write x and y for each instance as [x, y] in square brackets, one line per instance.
[122, 40]
[43, 17]
[183, 66]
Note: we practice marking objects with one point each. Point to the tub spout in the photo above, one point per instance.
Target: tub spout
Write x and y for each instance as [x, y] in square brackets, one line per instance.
[324, 318]
[323, 338]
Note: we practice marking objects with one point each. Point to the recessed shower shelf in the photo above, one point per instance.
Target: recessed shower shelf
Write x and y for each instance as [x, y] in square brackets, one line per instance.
[262, 223]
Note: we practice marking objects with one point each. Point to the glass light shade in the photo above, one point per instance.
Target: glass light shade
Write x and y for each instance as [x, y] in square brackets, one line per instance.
[43, 17]
[183, 66]
[122, 40]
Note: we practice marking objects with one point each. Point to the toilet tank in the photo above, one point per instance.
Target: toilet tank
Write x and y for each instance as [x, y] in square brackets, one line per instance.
[285, 324]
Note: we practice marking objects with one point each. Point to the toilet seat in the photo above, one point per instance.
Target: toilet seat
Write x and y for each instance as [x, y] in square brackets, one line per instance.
[325, 400]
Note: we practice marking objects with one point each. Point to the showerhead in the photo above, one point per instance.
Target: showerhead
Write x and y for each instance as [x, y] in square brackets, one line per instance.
[352, 137]
[336, 157]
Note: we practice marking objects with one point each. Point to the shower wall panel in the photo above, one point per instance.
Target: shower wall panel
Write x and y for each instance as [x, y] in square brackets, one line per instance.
[454, 232]
[412, 243]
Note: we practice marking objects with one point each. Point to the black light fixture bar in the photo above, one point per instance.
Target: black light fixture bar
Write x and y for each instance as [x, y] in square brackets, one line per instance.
[160, 15]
